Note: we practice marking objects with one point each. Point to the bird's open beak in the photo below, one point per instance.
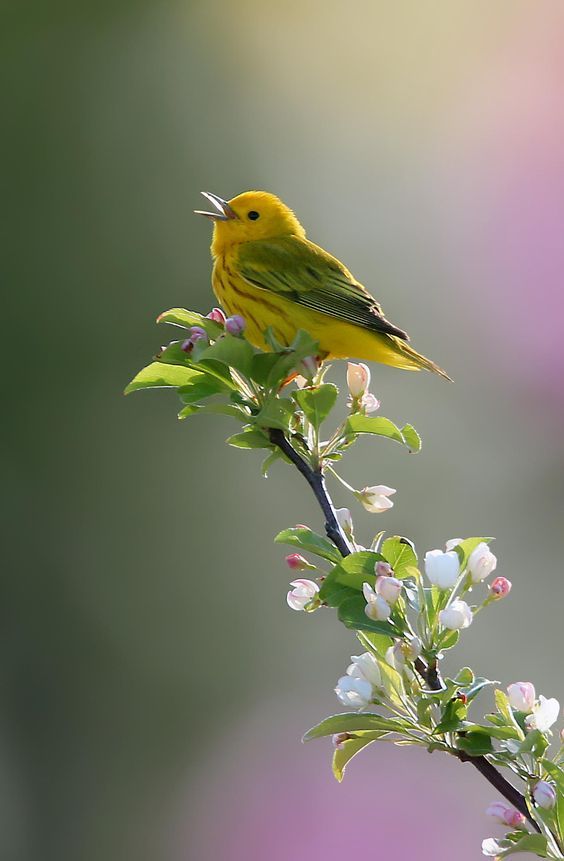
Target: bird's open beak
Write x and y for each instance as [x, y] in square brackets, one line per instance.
[224, 211]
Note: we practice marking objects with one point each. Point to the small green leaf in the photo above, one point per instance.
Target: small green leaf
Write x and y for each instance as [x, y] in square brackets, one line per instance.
[448, 640]
[276, 413]
[477, 685]
[504, 708]
[186, 319]
[399, 552]
[202, 385]
[252, 438]
[351, 614]
[475, 743]
[306, 539]
[231, 351]
[343, 755]
[378, 425]
[215, 409]
[393, 683]
[499, 732]
[535, 742]
[157, 376]
[412, 438]
[348, 577]
[464, 677]
[317, 403]
[453, 716]
[536, 844]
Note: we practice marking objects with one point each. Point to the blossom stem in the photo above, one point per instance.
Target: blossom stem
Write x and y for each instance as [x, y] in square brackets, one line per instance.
[430, 673]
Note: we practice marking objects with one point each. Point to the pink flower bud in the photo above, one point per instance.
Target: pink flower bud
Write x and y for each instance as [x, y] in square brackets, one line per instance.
[383, 569]
[544, 795]
[297, 562]
[358, 379]
[217, 315]
[340, 738]
[389, 588]
[303, 592]
[500, 587]
[187, 346]
[235, 325]
[505, 814]
[522, 696]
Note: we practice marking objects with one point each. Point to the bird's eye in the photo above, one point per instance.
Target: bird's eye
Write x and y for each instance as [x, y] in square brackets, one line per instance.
[253, 215]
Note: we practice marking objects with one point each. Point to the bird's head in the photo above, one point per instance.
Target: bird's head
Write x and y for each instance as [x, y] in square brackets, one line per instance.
[249, 216]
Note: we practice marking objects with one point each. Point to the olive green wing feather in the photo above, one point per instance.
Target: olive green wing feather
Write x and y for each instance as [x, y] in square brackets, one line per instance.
[304, 273]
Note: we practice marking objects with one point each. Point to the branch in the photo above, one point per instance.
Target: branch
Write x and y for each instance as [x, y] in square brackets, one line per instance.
[316, 481]
[499, 782]
[429, 674]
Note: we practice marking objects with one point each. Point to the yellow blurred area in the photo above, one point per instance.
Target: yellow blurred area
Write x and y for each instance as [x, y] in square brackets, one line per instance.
[154, 683]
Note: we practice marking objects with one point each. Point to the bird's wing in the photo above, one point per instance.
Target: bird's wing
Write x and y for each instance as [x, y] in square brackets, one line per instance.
[304, 273]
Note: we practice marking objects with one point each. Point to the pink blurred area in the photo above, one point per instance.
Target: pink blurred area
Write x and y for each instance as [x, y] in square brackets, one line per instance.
[504, 206]
[264, 796]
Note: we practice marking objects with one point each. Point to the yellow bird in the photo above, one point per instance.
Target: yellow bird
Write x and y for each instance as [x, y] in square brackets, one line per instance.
[266, 270]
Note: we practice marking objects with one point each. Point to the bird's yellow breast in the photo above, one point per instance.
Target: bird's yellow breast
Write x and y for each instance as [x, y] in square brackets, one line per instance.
[262, 309]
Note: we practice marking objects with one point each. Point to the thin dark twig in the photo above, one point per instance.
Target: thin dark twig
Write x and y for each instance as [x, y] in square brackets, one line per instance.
[316, 481]
[429, 674]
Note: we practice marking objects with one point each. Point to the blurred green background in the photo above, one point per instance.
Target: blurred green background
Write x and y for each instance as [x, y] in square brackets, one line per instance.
[154, 683]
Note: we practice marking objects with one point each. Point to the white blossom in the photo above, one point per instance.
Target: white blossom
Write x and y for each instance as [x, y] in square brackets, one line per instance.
[545, 713]
[442, 569]
[522, 696]
[301, 594]
[458, 615]
[366, 667]
[544, 794]
[376, 499]
[481, 563]
[354, 692]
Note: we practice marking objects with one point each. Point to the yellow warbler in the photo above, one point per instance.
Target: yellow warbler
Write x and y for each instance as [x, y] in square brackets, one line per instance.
[266, 270]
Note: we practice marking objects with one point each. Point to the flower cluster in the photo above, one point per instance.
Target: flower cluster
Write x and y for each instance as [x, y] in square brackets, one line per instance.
[406, 614]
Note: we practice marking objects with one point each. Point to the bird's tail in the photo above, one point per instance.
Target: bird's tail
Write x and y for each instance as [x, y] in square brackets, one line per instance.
[415, 361]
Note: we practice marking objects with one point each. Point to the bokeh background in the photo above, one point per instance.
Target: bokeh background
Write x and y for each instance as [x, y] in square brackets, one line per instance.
[154, 685]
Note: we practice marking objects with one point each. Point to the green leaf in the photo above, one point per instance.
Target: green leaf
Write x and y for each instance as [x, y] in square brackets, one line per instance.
[342, 756]
[448, 640]
[231, 351]
[186, 319]
[452, 718]
[354, 722]
[535, 742]
[378, 425]
[400, 554]
[464, 677]
[252, 438]
[536, 844]
[173, 354]
[478, 684]
[214, 409]
[348, 577]
[306, 539]
[475, 743]
[393, 683]
[412, 438]
[503, 707]
[499, 732]
[276, 413]
[157, 376]
[317, 403]
[351, 614]
[202, 385]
